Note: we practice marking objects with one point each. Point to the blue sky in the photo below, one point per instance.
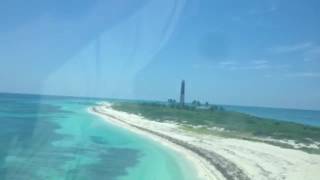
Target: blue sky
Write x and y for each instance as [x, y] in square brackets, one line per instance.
[249, 52]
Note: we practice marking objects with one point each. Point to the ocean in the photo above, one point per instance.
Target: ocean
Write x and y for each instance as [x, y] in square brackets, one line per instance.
[306, 117]
[46, 137]
[49, 137]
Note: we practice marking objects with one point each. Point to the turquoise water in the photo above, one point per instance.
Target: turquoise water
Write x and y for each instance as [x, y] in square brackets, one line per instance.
[307, 117]
[56, 138]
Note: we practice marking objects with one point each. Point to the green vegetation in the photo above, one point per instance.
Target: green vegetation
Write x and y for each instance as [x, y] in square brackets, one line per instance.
[194, 105]
[237, 124]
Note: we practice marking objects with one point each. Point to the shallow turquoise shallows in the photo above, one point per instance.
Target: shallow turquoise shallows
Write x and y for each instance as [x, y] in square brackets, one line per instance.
[44, 137]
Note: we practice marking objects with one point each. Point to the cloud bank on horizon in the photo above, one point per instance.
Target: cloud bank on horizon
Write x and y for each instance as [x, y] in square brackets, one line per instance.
[264, 53]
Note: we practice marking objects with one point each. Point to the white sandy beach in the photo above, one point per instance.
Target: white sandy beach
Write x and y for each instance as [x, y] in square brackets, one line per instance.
[220, 158]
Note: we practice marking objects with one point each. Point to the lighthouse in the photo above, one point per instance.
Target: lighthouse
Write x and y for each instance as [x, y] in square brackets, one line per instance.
[182, 91]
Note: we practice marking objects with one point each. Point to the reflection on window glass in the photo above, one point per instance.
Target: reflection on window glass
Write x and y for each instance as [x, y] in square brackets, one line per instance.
[159, 89]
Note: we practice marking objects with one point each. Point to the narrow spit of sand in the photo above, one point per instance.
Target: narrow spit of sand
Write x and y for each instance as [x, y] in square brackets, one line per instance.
[216, 157]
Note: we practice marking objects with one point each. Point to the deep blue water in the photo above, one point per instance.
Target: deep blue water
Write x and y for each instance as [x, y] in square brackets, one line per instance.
[307, 117]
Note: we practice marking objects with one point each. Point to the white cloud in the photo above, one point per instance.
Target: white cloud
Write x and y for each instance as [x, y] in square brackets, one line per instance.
[309, 51]
[253, 65]
[283, 66]
[312, 54]
[305, 74]
[315, 50]
[227, 64]
[306, 59]
[293, 47]
[261, 66]
[260, 62]
[236, 18]
[263, 11]
[273, 8]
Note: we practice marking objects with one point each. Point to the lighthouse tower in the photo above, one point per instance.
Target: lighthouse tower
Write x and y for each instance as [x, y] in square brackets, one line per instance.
[182, 91]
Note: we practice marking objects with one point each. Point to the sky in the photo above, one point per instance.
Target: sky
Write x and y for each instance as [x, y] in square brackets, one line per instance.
[249, 52]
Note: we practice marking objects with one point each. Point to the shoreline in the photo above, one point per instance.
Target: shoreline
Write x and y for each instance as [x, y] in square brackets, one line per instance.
[219, 158]
[204, 171]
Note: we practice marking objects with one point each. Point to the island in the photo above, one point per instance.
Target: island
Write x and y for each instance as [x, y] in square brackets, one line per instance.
[223, 144]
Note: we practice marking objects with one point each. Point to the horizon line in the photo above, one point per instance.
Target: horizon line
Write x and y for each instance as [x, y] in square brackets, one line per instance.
[150, 100]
